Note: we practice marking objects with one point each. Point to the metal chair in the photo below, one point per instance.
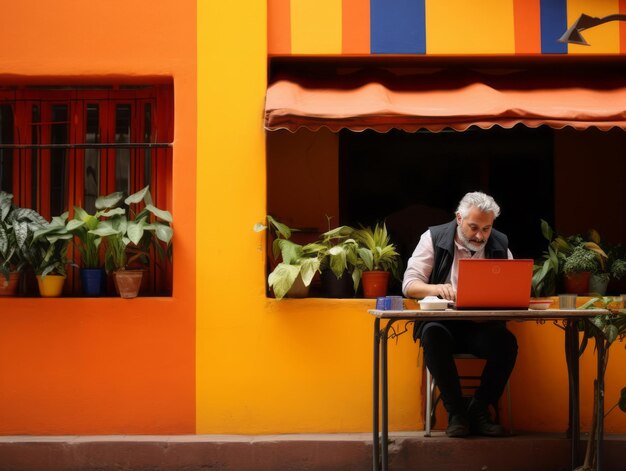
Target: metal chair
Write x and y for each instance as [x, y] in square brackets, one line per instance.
[469, 384]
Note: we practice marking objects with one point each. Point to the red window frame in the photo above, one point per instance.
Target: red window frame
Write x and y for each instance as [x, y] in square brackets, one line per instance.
[31, 171]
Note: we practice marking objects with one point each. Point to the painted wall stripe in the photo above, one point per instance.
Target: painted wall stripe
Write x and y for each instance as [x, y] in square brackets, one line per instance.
[355, 21]
[527, 17]
[279, 30]
[316, 27]
[398, 27]
[553, 25]
[459, 27]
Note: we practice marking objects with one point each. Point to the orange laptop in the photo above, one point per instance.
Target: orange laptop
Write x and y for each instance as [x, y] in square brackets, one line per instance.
[494, 283]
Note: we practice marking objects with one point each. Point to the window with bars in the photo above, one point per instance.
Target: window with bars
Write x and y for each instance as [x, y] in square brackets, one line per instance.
[62, 147]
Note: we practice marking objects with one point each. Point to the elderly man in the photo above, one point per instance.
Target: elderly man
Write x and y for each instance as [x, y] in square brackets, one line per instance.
[433, 271]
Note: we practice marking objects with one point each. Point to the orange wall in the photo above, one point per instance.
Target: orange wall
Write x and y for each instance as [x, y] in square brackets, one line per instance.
[102, 366]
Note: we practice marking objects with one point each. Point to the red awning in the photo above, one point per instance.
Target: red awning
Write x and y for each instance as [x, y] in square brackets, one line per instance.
[456, 101]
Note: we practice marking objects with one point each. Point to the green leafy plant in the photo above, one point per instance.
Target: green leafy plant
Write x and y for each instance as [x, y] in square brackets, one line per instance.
[90, 232]
[50, 245]
[605, 329]
[376, 252]
[131, 231]
[17, 227]
[579, 260]
[296, 260]
[340, 253]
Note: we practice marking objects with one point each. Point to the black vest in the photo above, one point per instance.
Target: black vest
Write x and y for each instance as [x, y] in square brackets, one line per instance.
[443, 244]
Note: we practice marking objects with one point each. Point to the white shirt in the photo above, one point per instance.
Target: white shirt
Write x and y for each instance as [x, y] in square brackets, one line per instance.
[421, 263]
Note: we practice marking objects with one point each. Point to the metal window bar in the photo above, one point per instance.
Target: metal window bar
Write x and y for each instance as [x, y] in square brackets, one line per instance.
[124, 145]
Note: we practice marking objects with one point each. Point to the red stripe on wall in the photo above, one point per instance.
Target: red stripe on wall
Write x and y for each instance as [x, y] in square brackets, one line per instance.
[622, 27]
[278, 27]
[527, 21]
[355, 24]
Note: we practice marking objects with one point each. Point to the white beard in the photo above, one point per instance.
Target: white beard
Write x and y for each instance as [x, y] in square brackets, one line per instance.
[473, 246]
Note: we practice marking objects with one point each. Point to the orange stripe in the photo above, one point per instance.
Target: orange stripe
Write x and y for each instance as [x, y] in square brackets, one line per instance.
[622, 27]
[279, 27]
[355, 27]
[527, 20]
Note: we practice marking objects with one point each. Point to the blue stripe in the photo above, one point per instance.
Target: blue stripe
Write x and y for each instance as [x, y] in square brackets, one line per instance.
[397, 27]
[553, 25]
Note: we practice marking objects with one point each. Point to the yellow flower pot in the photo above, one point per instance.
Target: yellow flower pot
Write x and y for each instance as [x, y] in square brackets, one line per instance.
[50, 286]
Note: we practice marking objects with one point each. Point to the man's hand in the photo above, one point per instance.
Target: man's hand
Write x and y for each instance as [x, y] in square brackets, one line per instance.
[445, 291]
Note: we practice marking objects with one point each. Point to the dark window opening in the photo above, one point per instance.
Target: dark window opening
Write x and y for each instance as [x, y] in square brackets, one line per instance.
[59, 134]
[92, 158]
[415, 180]
[122, 156]
[6, 155]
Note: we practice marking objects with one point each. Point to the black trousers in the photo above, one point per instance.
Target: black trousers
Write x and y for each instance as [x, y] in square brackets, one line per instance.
[489, 340]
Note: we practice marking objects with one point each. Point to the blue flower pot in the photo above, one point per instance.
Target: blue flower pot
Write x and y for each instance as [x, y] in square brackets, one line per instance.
[92, 280]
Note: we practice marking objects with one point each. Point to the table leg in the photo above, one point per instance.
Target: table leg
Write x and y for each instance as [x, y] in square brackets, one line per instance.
[571, 351]
[385, 398]
[376, 403]
[600, 392]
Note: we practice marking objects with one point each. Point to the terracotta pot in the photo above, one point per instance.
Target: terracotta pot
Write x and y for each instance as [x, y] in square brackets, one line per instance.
[375, 283]
[9, 287]
[127, 282]
[50, 286]
[577, 283]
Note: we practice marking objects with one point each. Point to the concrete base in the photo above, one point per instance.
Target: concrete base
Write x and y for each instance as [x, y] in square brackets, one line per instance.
[340, 452]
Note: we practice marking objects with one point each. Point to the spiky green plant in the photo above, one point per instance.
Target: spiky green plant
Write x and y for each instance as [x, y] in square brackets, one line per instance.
[376, 252]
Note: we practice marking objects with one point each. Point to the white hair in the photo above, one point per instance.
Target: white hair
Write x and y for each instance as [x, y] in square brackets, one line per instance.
[476, 199]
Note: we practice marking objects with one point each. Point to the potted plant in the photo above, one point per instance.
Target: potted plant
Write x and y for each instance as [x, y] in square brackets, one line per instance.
[377, 260]
[296, 264]
[49, 259]
[577, 269]
[130, 233]
[339, 276]
[85, 227]
[584, 257]
[17, 226]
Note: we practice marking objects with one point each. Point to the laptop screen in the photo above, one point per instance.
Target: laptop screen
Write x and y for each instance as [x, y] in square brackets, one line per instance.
[494, 283]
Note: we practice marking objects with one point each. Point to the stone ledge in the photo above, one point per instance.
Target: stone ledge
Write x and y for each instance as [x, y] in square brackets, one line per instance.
[323, 452]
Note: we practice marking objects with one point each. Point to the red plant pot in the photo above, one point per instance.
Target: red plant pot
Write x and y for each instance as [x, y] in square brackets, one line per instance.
[375, 283]
[577, 283]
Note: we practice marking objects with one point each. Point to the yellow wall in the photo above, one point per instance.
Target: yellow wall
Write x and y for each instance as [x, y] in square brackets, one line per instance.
[292, 366]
